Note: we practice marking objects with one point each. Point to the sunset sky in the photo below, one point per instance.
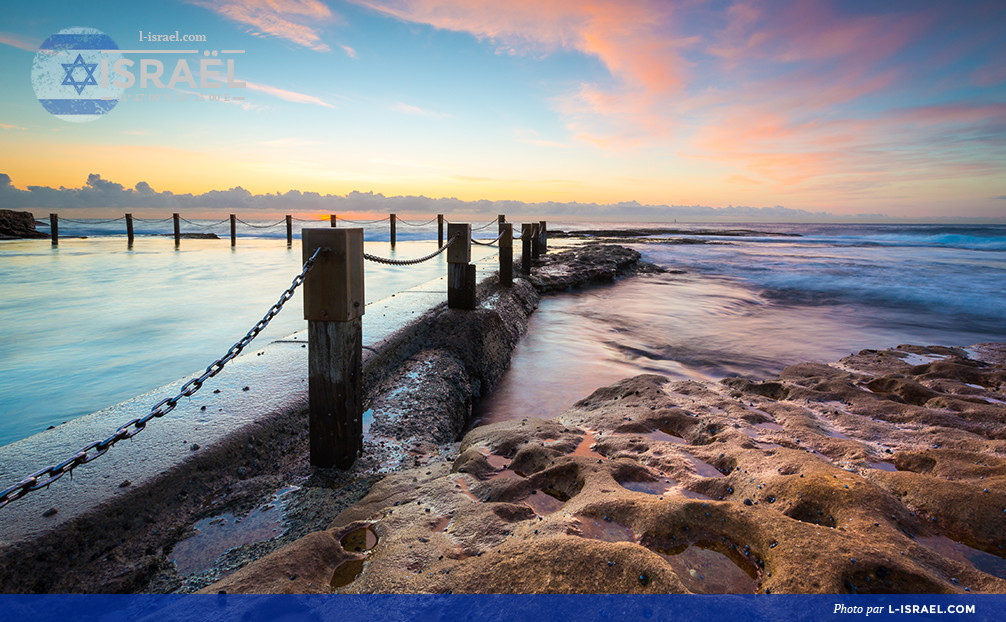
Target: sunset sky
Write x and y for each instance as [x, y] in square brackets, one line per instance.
[846, 107]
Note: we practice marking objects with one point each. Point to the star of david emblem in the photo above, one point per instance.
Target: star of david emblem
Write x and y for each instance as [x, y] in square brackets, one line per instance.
[69, 68]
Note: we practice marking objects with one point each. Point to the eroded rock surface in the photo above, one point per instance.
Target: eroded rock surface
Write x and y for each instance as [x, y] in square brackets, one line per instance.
[15, 224]
[884, 472]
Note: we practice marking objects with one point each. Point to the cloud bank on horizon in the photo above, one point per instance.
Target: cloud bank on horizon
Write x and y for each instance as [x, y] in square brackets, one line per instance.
[100, 198]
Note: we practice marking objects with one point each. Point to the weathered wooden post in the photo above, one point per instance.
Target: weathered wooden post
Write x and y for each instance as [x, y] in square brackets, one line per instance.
[333, 307]
[234, 230]
[54, 228]
[178, 231]
[542, 237]
[526, 231]
[129, 230]
[392, 230]
[460, 270]
[506, 253]
[440, 230]
[332, 219]
[535, 241]
[501, 219]
[289, 230]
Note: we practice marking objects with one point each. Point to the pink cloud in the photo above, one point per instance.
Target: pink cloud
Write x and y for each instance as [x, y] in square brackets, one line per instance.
[19, 41]
[293, 20]
[290, 96]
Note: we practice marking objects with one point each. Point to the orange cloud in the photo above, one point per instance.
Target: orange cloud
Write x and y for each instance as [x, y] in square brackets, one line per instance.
[293, 20]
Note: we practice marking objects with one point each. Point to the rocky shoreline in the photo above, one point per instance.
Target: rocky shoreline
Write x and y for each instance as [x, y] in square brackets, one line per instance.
[882, 473]
[420, 384]
[18, 225]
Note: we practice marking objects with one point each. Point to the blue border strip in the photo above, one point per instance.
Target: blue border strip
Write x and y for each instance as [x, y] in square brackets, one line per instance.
[78, 106]
[78, 42]
[501, 608]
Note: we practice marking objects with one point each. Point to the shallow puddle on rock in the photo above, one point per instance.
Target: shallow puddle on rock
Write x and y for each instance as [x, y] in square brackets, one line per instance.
[883, 466]
[462, 484]
[359, 540]
[657, 487]
[761, 445]
[986, 562]
[545, 501]
[497, 461]
[704, 569]
[684, 492]
[770, 426]
[607, 531]
[664, 435]
[218, 534]
[834, 434]
[346, 572]
[703, 468]
[584, 448]
[442, 524]
[922, 359]
[505, 474]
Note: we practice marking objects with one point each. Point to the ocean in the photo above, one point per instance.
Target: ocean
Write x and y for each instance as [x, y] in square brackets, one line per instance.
[91, 323]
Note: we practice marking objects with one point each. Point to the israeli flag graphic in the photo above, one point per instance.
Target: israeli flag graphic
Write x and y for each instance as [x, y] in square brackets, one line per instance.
[70, 74]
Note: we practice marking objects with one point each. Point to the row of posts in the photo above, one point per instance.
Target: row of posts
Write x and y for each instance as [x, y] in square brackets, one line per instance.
[532, 233]
[334, 305]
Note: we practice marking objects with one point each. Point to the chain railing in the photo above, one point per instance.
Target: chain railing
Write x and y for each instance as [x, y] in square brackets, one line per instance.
[44, 477]
[91, 222]
[489, 243]
[205, 225]
[409, 262]
[417, 224]
[364, 222]
[248, 224]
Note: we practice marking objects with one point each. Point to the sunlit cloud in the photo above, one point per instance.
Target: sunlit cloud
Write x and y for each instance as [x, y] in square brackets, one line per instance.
[20, 41]
[350, 52]
[415, 110]
[8, 126]
[293, 20]
[290, 96]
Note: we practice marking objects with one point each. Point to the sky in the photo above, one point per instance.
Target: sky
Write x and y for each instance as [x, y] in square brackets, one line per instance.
[846, 108]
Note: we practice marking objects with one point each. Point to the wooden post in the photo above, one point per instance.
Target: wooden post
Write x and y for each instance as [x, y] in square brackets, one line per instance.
[333, 307]
[332, 219]
[392, 219]
[542, 237]
[289, 230]
[501, 219]
[178, 232]
[535, 241]
[129, 230]
[54, 228]
[440, 230]
[506, 253]
[234, 230]
[526, 231]
[460, 270]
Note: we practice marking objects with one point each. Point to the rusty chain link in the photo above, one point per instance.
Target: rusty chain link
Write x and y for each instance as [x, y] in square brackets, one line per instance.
[43, 477]
[409, 262]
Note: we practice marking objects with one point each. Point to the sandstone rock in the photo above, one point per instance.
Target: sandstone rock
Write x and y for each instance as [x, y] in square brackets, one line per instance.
[18, 225]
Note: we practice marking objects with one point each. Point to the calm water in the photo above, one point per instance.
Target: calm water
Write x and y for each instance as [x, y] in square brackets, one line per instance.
[752, 305]
[91, 323]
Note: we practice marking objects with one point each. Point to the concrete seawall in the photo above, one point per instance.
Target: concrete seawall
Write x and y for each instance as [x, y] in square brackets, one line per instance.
[420, 383]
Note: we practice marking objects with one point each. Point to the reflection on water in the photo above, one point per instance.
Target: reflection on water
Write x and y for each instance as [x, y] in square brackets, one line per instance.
[89, 324]
[685, 326]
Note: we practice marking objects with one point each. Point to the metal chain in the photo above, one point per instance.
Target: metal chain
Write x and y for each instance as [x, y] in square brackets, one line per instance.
[199, 224]
[485, 226]
[364, 222]
[152, 219]
[275, 224]
[413, 224]
[91, 222]
[490, 243]
[43, 477]
[410, 262]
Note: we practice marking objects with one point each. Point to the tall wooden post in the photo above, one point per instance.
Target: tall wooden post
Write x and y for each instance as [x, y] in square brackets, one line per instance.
[129, 230]
[535, 241]
[542, 237]
[526, 231]
[234, 230]
[501, 219]
[506, 253]
[332, 219]
[440, 230]
[178, 231]
[289, 230]
[54, 228]
[460, 270]
[333, 307]
[392, 219]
